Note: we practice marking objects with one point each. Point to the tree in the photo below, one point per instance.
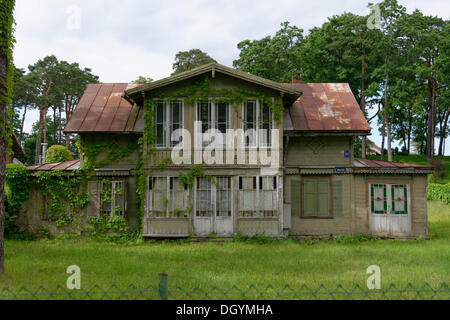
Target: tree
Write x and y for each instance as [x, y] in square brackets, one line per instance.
[142, 79]
[187, 60]
[70, 87]
[44, 76]
[6, 83]
[275, 58]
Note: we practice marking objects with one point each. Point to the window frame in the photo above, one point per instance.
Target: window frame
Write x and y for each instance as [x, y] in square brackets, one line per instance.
[125, 197]
[258, 126]
[390, 206]
[330, 197]
[260, 212]
[170, 180]
[213, 123]
[213, 196]
[168, 124]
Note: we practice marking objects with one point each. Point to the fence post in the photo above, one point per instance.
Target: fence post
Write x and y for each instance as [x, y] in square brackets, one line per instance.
[163, 287]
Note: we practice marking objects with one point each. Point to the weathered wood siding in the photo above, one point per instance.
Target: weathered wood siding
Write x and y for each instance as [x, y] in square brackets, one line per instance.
[220, 81]
[319, 151]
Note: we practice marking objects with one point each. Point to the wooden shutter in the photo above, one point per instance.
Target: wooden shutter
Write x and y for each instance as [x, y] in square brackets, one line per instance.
[337, 199]
[309, 193]
[323, 197]
[296, 203]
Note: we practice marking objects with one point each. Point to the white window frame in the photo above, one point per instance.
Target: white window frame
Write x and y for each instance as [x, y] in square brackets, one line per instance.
[149, 196]
[113, 198]
[258, 143]
[214, 121]
[259, 213]
[168, 125]
[389, 209]
[213, 190]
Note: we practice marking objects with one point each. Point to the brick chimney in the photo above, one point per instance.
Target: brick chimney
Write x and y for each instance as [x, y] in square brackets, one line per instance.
[297, 79]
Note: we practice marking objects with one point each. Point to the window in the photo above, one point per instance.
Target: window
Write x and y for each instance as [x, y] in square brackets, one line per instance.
[203, 199]
[168, 118]
[113, 198]
[258, 124]
[258, 196]
[223, 196]
[317, 197]
[389, 198]
[166, 197]
[213, 195]
[214, 116]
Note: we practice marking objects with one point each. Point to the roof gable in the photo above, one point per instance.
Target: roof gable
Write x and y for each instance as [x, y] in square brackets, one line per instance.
[325, 107]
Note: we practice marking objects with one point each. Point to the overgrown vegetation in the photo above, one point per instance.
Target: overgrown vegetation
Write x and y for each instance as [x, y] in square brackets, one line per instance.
[57, 153]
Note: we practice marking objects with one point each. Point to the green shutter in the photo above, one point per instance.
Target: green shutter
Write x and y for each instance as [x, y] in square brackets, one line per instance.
[337, 199]
[296, 202]
[310, 193]
[323, 198]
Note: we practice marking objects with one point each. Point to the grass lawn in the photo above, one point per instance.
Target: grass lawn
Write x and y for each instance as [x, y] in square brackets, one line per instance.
[43, 263]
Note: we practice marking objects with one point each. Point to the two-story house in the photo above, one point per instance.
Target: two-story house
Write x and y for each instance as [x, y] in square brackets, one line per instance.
[225, 152]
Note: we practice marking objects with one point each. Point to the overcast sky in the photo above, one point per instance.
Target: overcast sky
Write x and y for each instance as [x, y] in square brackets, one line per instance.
[120, 40]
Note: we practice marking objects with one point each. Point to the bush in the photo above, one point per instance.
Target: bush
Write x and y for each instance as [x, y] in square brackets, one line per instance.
[57, 153]
[441, 192]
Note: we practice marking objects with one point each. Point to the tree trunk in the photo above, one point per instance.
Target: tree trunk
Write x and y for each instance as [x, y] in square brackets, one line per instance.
[3, 141]
[389, 139]
[363, 97]
[22, 123]
[431, 118]
[383, 135]
[409, 131]
[443, 132]
[59, 126]
[55, 130]
[42, 113]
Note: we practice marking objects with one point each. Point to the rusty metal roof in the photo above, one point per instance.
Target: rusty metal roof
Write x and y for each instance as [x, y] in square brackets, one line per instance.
[58, 166]
[359, 163]
[326, 108]
[102, 109]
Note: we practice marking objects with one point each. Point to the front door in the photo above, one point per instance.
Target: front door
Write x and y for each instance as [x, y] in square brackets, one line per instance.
[389, 206]
[213, 207]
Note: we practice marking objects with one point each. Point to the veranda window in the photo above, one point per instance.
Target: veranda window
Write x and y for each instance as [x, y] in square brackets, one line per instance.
[113, 198]
[258, 196]
[166, 197]
[203, 199]
[223, 196]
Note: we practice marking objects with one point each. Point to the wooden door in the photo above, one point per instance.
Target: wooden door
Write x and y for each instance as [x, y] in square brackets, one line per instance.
[389, 209]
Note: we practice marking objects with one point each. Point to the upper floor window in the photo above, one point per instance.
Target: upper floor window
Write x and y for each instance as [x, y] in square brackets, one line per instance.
[257, 124]
[213, 116]
[168, 118]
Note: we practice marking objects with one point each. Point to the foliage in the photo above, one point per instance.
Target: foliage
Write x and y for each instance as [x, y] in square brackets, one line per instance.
[187, 60]
[142, 79]
[65, 195]
[57, 153]
[439, 192]
[276, 58]
[17, 190]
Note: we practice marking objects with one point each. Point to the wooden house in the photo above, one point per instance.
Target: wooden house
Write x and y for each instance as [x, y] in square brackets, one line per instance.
[286, 168]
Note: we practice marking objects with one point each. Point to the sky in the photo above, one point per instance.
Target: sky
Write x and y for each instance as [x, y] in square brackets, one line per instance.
[121, 40]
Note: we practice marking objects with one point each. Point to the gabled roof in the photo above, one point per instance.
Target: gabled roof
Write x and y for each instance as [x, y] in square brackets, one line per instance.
[213, 68]
[103, 109]
[328, 108]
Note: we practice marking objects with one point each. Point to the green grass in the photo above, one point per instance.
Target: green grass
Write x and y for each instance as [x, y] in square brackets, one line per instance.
[420, 159]
[43, 262]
